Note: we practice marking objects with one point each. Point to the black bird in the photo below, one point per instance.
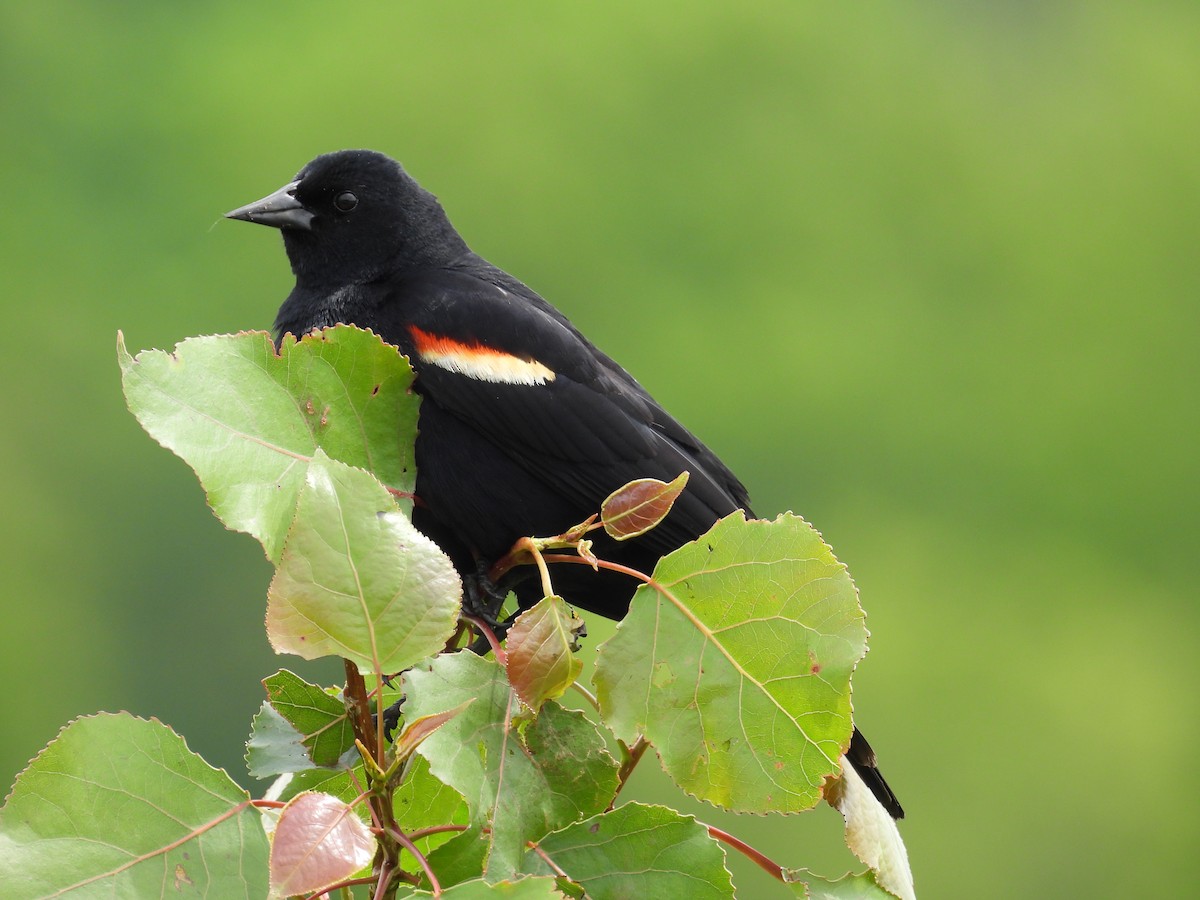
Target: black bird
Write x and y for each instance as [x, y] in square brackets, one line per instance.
[525, 426]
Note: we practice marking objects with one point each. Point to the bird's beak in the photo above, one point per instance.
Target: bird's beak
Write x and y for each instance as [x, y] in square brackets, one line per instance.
[279, 210]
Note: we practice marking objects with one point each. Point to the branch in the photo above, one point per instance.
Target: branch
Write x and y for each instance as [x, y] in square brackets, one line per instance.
[359, 708]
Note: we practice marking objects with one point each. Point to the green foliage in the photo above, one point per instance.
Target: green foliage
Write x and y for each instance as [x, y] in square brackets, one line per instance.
[118, 806]
[424, 801]
[318, 716]
[356, 579]
[250, 427]
[522, 780]
[522, 889]
[733, 665]
[299, 726]
[664, 853]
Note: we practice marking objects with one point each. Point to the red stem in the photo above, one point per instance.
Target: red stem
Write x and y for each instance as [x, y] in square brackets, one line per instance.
[404, 841]
[486, 630]
[602, 563]
[760, 859]
[536, 848]
[349, 882]
[434, 829]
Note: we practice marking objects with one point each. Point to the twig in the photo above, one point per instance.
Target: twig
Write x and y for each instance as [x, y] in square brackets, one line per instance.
[602, 563]
[760, 859]
[486, 630]
[434, 829]
[587, 695]
[348, 883]
[543, 571]
[385, 878]
[404, 841]
[536, 848]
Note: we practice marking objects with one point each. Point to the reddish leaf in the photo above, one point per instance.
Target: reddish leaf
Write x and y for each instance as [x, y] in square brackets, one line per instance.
[637, 507]
[419, 729]
[541, 660]
[319, 841]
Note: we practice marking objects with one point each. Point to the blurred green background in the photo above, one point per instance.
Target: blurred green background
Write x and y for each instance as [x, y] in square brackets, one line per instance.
[923, 272]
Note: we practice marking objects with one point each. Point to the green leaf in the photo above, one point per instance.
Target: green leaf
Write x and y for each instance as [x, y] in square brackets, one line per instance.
[736, 665]
[357, 580]
[318, 716]
[422, 801]
[637, 851]
[632, 510]
[462, 858]
[248, 419]
[849, 887]
[540, 661]
[525, 889]
[335, 782]
[118, 806]
[275, 747]
[521, 783]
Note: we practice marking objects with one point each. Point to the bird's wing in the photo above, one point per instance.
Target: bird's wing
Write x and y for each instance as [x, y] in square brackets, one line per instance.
[502, 360]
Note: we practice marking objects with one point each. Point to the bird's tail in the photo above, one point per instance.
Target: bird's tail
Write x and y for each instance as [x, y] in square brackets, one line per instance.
[862, 757]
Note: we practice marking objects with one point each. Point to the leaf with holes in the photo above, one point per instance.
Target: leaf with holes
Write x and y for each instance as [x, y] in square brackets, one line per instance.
[541, 660]
[357, 580]
[520, 782]
[735, 663]
[248, 419]
[118, 806]
[634, 509]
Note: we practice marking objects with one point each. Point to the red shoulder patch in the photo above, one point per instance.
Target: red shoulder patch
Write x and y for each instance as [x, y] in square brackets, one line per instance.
[476, 360]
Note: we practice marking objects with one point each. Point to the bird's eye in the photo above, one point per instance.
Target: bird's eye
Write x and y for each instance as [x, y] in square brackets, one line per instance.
[345, 201]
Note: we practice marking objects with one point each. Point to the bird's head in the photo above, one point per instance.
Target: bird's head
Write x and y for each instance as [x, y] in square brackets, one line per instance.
[355, 216]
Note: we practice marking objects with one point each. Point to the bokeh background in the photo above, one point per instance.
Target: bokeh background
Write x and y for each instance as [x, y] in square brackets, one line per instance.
[924, 272]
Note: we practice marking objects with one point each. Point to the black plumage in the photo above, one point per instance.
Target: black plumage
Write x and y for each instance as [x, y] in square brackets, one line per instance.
[525, 426]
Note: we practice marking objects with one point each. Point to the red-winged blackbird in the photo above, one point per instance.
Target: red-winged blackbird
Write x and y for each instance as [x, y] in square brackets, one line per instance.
[525, 427]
